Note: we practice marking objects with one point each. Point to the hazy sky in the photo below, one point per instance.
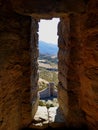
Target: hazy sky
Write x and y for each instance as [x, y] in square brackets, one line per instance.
[48, 30]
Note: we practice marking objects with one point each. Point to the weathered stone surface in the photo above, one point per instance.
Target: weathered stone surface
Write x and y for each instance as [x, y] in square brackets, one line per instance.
[34, 66]
[15, 105]
[78, 61]
[49, 8]
[45, 118]
[88, 70]
[41, 118]
[56, 118]
[69, 83]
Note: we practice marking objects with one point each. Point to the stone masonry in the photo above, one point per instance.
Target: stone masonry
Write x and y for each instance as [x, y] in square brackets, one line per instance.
[48, 92]
[77, 61]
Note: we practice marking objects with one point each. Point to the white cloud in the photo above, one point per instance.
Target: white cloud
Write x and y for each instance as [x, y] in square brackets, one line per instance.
[48, 30]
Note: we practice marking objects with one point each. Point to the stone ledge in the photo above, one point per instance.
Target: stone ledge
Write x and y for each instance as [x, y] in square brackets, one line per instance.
[45, 118]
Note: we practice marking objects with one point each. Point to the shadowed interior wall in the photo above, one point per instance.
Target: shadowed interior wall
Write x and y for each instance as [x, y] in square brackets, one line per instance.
[78, 67]
[69, 61]
[89, 67]
[34, 66]
[15, 106]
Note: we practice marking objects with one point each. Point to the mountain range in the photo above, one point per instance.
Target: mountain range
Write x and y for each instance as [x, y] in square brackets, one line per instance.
[47, 48]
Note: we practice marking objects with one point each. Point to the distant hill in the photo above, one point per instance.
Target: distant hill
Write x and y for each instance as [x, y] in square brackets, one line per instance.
[47, 48]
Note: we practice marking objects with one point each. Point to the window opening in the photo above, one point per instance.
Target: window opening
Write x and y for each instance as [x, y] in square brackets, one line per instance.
[48, 62]
[48, 111]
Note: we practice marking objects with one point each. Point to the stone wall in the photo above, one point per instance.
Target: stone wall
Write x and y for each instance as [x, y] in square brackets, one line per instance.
[48, 9]
[69, 61]
[63, 56]
[34, 66]
[78, 61]
[15, 106]
[49, 92]
[78, 66]
[89, 67]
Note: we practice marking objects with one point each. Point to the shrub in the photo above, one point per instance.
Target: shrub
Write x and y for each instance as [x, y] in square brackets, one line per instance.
[42, 103]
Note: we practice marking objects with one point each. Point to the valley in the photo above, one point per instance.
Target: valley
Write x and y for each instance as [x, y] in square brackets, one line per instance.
[48, 71]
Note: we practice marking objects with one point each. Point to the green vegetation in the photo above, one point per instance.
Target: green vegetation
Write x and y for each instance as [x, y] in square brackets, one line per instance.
[50, 76]
[48, 73]
[48, 70]
[42, 85]
[49, 103]
[49, 59]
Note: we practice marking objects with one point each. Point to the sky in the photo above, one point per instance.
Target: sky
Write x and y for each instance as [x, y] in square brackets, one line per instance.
[48, 30]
